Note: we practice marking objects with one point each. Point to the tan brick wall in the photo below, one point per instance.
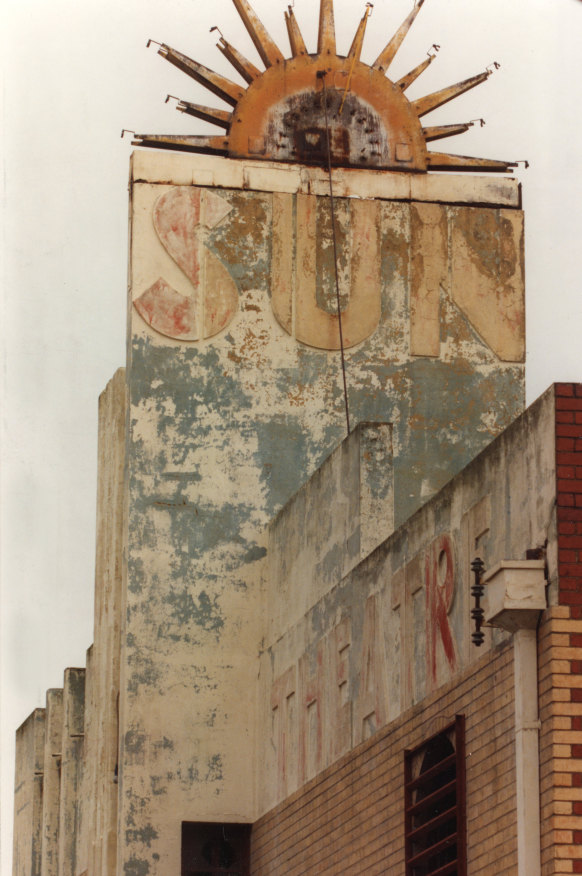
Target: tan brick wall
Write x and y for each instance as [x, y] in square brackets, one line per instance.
[560, 656]
[350, 818]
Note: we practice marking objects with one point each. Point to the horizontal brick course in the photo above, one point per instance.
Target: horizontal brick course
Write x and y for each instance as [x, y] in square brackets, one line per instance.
[565, 389]
[560, 685]
[350, 818]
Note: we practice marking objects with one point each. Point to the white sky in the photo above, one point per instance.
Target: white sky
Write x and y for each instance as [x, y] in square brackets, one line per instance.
[74, 75]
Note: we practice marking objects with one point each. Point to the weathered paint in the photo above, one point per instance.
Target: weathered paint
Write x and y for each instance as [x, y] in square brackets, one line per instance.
[341, 660]
[28, 786]
[321, 108]
[52, 782]
[195, 602]
[92, 701]
[72, 761]
[223, 431]
[271, 176]
[179, 219]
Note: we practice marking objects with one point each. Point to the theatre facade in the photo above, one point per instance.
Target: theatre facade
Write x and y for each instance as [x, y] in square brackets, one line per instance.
[338, 594]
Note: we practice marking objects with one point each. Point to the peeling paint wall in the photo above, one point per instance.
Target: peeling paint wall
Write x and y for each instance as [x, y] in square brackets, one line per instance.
[236, 398]
[396, 627]
[52, 782]
[96, 830]
[73, 750]
[214, 634]
[28, 790]
[327, 527]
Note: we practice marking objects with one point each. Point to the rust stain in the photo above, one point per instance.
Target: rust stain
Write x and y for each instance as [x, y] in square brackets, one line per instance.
[377, 127]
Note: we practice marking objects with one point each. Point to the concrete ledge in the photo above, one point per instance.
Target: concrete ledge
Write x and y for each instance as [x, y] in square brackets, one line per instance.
[184, 169]
[515, 594]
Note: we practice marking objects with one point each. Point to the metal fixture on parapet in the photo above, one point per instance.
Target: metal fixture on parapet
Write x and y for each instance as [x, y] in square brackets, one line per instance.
[477, 591]
[277, 115]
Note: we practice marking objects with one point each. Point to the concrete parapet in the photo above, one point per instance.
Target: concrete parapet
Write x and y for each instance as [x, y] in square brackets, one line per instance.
[28, 793]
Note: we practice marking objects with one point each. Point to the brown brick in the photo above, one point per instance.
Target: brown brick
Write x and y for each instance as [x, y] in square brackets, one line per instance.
[563, 430]
[569, 514]
[566, 472]
[565, 445]
[570, 542]
[573, 404]
[564, 389]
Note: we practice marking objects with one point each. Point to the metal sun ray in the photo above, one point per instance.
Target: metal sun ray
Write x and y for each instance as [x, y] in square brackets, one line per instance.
[272, 57]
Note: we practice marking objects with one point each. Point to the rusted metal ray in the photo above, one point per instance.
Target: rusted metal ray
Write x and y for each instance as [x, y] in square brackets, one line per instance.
[221, 118]
[356, 47]
[247, 70]
[264, 44]
[212, 145]
[214, 82]
[411, 77]
[296, 40]
[326, 39]
[439, 132]
[444, 161]
[425, 104]
[386, 57]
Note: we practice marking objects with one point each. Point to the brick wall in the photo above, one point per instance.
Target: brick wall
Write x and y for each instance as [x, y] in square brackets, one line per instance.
[560, 647]
[350, 818]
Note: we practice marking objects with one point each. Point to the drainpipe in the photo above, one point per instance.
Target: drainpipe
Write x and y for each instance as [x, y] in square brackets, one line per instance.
[515, 596]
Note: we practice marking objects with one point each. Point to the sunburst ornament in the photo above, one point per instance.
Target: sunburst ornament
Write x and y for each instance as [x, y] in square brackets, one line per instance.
[310, 108]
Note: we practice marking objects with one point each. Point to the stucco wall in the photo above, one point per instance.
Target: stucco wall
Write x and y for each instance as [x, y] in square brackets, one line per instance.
[28, 786]
[236, 398]
[397, 626]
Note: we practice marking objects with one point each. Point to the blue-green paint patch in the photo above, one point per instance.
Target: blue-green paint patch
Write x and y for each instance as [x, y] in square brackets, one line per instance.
[135, 742]
[159, 785]
[136, 576]
[201, 611]
[143, 835]
[214, 773]
[145, 672]
[254, 554]
[136, 867]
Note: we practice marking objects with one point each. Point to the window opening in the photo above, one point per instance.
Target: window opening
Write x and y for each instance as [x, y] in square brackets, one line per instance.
[209, 849]
[435, 805]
